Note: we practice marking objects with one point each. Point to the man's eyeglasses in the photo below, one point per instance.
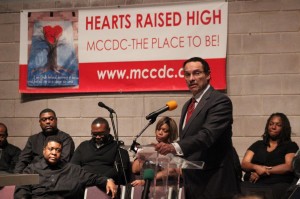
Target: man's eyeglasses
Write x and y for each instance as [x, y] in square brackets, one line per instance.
[2, 136]
[95, 134]
[195, 73]
[44, 119]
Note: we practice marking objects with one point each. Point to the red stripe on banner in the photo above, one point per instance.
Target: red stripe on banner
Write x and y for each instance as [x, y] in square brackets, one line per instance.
[23, 79]
[139, 76]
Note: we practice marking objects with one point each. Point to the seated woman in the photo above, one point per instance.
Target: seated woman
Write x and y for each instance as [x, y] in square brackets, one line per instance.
[165, 131]
[268, 162]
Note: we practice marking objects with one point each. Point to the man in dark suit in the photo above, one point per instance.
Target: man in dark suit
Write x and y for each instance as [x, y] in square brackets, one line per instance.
[205, 135]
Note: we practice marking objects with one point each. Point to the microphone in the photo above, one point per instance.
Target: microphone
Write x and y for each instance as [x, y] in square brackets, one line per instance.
[148, 176]
[101, 104]
[171, 105]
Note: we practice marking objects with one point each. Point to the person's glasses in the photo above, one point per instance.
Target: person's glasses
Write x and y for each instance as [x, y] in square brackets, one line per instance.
[95, 134]
[2, 136]
[56, 149]
[44, 119]
[195, 73]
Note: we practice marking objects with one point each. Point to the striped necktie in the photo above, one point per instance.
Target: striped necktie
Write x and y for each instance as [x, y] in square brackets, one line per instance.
[190, 110]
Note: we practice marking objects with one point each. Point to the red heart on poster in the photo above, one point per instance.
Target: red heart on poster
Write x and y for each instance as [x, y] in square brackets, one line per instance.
[52, 34]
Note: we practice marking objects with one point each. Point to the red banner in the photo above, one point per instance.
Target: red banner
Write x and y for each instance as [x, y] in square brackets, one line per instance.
[121, 50]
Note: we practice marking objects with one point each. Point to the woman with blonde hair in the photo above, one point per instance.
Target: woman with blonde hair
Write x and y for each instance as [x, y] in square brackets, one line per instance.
[166, 131]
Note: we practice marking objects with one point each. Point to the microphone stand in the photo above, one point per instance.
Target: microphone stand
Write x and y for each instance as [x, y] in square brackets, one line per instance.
[120, 156]
[134, 148]
[134, 144]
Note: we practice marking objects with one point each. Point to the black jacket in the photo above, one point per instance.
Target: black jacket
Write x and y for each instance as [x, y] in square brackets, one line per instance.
[63, 180]
[33, 150]
[9, 157]
[104, 160]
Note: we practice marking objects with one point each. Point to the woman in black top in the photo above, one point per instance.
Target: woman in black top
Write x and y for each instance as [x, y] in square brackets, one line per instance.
[268, 162]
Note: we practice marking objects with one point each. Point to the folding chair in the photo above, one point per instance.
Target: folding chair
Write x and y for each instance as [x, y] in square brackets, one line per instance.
[7, 192]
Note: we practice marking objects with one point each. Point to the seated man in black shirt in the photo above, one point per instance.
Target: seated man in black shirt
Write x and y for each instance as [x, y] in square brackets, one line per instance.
[32, 152]
[9, 153]
[100, 154]
[59, 179]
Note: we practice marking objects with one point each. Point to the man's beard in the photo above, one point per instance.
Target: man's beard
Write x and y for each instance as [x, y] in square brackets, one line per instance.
[52, 131]
[3, 143]
[103, 140]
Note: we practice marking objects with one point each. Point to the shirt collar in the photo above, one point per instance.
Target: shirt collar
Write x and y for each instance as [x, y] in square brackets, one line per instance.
[200, 95]
[46, 165]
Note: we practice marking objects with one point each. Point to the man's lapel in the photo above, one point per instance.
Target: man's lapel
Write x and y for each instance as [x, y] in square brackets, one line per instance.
[199, 107]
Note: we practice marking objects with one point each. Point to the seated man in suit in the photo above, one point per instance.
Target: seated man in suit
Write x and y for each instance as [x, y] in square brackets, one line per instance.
[9, 153]
[59, 179]
[100, 154]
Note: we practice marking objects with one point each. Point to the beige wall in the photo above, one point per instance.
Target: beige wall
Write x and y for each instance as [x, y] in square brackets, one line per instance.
[263, 75]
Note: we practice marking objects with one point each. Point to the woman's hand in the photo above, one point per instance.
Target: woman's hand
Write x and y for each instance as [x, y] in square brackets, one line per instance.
[262, 170]
[138, 183]
[253, 177]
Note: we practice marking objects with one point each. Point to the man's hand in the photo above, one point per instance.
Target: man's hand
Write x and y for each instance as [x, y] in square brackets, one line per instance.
[164, 148]
[111, 187]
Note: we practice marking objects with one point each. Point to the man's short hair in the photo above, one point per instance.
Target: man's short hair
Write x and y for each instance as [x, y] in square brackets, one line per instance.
[53, 138]
[101, 120]
[206, 67]
[5, 131]
[47, 110]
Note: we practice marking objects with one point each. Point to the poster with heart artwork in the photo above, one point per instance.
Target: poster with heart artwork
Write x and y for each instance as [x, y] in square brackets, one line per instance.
[52, 61]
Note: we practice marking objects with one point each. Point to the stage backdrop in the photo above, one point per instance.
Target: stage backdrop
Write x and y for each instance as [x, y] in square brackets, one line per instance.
[131, 49]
